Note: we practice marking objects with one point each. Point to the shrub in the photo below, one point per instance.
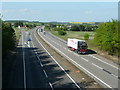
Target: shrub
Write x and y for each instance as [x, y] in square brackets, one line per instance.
[61, 32]
[86, 36]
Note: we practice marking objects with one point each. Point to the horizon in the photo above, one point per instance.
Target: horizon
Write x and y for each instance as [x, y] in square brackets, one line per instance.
[60, 11]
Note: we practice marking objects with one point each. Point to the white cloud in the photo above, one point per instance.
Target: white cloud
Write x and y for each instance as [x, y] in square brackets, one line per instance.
[88, 12]
[25, 10]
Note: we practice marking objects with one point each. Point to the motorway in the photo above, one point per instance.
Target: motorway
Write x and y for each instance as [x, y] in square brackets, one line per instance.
[36, 68]
[101, 69]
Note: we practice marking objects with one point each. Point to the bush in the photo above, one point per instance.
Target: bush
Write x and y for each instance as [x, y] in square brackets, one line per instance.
[86, 36]
[61, 32]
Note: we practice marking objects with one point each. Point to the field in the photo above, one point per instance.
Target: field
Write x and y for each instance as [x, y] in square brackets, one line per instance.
[74, 34]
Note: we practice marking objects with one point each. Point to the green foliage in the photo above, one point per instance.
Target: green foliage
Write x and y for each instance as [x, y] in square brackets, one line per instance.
[56, 29]
[61, 32]
[19, 23]
[81, 27]
[86, 36]
[106, 37]
[74, 28]
[30, 25]
[8, 38]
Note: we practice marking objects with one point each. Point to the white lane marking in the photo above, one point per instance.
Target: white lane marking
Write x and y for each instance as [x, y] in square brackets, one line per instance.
[69, 50]
[64, 48]
[95, 58]
[25, 43]
[45, 73]
[58, 63]
[114, 75]
[28, 44]
[37, 56]
[84, 59]
[97, 66]
[51, 86]
[76, 54]
[78, 64]
[24, 64]
[103, 61]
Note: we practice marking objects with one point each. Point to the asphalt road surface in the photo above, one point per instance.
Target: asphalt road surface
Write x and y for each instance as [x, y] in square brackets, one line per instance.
[101, 69]
[36, 68]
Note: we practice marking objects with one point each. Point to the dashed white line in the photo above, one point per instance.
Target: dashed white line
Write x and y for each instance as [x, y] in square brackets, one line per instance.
[45, 73]
[75, 63]
[103, 61]
[58, 64]
[97, 66]
[24, 64]
[84, 59]
[51, 86]
[37, 56]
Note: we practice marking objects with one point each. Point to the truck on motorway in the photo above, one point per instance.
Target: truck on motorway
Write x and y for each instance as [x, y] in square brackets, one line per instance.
[79, 46]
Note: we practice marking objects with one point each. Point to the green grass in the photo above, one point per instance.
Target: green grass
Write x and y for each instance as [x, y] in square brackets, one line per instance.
[73, 34]
[17, 33]
[78, 35]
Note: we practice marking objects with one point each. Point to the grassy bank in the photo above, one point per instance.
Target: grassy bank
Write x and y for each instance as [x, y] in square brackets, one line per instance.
[17, 33]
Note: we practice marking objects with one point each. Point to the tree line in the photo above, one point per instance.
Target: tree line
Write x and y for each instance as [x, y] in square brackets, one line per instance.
[8, 38]
[107, 37]
[21, 24]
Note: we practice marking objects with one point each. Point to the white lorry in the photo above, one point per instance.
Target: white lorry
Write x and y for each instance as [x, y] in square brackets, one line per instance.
[79, 46]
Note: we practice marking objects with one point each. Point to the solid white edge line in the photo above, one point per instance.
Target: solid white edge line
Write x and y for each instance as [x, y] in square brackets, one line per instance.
[58, 64]
[103, 61]
[51, 86]
[24, 64]
[45, 73]
[84, 59]
[78, 64]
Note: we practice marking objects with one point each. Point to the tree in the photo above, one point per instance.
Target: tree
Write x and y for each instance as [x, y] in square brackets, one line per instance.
[107, 37]
[81, 27]
[61, 32]
[8, 38]
[19, 23]
[74, 28]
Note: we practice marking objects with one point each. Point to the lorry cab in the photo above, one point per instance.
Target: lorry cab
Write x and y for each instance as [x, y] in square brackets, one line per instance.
[82, 47]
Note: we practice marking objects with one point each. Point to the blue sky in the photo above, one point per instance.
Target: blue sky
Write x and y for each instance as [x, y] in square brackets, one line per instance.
[60, 11]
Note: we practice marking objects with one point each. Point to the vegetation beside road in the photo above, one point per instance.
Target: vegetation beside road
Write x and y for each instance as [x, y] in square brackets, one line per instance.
[103, 38]
[11, 34]
[8, 38]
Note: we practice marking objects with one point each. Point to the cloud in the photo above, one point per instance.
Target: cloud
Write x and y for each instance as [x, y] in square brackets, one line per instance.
[24, 10]
[88, 12]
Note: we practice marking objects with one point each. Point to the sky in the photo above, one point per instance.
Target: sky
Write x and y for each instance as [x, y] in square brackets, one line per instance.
[60, 11]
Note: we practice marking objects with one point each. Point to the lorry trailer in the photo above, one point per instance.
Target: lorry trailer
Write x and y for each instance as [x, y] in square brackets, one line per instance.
[79, 46]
